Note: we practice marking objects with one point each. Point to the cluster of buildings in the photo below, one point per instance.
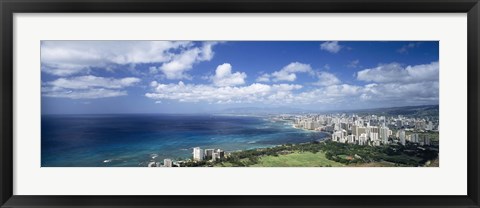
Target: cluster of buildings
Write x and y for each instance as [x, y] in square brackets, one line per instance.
[207, 154]
[363, 135]
[166, 163]
[198, 155]
[368, 130]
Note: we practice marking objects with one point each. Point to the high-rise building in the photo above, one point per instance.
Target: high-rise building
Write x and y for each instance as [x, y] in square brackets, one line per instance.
[429, 126]
[214, 156]
[218, 154]
[351, 139]
[310, 125]
[414, 138]
[208, 154]
[401, 135]
[357, 131]
[362, 139]
[384, 133]
[197, 154]
[167, 163]
[338, 136]
[373, 129]
[344, 126]
[221, 153]
[373, 136]
[427, 141]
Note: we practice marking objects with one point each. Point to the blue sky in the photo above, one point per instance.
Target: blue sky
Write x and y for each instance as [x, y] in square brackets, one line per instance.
[202, 77]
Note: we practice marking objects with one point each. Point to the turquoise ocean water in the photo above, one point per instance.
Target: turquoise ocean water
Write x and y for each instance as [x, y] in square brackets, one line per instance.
[134, 140]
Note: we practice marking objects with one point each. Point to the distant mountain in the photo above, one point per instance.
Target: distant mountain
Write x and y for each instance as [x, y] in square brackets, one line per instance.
[420, 111]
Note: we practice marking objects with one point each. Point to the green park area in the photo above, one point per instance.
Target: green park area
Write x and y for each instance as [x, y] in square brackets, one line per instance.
[297, 159]
[331, 154]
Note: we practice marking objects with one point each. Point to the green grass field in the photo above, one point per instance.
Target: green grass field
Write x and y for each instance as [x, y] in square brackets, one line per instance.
[297, 159]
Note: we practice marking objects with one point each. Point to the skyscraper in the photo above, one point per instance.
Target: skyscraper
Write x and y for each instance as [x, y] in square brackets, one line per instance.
[357, 131]
[384, 134]
[197, 154]
[362, 139]
[208, 154]
[401, 135]
[415, 138]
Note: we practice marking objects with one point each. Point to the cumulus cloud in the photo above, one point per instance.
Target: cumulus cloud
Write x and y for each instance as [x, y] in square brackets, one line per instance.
[85, 82]
[288, 73]
[289, 94]
[392, 82]
[395, 72]
[64, 58]
[254, 93]
[413, 93]
[330, 94]
[180, 63]
[327, 79]
[224, 76]
[388, 84]
[263, 78]
[88, 87]
[331, 46]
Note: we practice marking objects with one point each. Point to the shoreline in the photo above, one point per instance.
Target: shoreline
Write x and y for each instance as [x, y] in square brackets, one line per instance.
[288, 124]
[292, 125]
[263, 148]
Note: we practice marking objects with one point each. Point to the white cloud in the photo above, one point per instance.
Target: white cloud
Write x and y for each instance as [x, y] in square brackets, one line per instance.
[263, 78]
[288, 73]
[331, 46]
[414, 93]
[86, 94]
[254, 93]
[87, 87]
[413, 85]
[291, 94]
[180, 63]
[330, 94]
[394, 72]
[327, 79]
[63, 58]
[393, 83]
[85, 82]
[224, 76]
[353, 64]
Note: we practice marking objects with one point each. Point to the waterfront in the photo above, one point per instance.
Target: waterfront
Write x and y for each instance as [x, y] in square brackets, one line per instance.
[135, 140]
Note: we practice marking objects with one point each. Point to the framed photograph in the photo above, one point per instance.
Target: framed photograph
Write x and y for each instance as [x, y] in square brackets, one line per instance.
[239, 104]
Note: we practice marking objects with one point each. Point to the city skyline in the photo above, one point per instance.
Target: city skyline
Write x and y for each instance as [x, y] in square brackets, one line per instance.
[199, 77]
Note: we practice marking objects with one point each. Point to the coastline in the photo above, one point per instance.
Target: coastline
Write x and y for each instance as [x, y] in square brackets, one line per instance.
[308, 130]
[288, 124]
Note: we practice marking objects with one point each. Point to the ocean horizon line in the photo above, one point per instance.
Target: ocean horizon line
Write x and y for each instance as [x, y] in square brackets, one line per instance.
[230, 113]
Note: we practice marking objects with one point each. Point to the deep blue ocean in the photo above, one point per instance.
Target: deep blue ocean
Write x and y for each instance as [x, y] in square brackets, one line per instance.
[134, 140]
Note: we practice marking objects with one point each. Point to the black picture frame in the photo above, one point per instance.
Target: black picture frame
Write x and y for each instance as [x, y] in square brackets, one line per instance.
[10, 7]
